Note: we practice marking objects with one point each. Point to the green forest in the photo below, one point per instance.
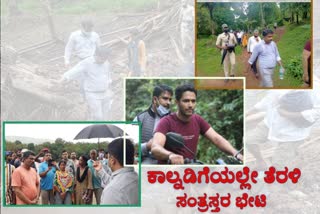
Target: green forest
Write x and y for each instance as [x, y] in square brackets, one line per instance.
[222, 109]
[80, 7]
[293, 30]
[57, 147]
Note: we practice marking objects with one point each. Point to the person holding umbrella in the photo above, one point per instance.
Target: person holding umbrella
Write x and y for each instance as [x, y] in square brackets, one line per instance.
[227, 42]
[121, 183]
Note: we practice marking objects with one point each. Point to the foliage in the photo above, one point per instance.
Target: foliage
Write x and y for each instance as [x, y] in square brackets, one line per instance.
[224, 113]
[268, 12]
[57, 147]
[80, 7]
[248, 15]
[219, 14]
[296, 11]
[109, 5]
[290, 45]
[223, 109]
[294, 68]
[203, 21]
[290, 48]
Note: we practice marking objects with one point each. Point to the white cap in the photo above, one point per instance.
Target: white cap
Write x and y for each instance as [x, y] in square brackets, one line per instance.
[24, 150]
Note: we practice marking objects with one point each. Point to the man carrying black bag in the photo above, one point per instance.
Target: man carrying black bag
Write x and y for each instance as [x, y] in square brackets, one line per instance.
[227, 42]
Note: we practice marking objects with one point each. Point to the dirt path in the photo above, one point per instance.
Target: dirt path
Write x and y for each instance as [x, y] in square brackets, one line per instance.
[251, 80]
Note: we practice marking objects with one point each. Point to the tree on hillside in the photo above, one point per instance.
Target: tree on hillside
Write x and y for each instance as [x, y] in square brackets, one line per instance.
[268, 13]
[57, 147]
[31, 146]
[210, 6]
[295, 10]
[248, 23]
[263, 21]
[17, 142]
[219, 13]
[238, 15]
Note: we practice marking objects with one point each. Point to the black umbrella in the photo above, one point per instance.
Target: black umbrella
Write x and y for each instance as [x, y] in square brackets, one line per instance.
[100, 131]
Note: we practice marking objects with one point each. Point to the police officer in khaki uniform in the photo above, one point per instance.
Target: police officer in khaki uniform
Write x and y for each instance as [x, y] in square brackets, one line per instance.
[226, 42]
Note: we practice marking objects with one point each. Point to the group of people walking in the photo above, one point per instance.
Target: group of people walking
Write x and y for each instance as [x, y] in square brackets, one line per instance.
[262, 55]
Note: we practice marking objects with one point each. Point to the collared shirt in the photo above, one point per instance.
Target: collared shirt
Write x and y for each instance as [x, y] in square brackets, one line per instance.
[226, 38]
[96, 77]
[268, 55]
[81, 45]
[253, 41]
[122, 186]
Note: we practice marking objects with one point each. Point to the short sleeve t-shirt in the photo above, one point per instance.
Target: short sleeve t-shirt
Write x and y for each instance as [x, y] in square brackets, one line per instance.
[46, 182]
[190, 131]
[224, 39]
[27, 180]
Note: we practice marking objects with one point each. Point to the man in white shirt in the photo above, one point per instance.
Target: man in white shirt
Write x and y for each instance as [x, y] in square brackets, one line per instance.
[186, 21]
[284, 117]
[252, 42]
[239, 37]
[82, 43]
[95, 72]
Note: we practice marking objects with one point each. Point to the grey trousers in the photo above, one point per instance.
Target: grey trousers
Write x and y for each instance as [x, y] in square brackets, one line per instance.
[97, 194]
[47, 196]
[266, 77]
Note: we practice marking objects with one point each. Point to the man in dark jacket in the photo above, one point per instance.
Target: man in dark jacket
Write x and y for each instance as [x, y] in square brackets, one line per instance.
[161, 100]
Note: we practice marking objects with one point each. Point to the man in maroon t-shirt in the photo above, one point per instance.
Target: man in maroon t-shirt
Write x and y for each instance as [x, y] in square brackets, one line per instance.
[190, 126]
[307, 64]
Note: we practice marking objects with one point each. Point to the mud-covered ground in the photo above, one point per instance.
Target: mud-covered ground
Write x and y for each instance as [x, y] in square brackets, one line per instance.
[31, 90]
